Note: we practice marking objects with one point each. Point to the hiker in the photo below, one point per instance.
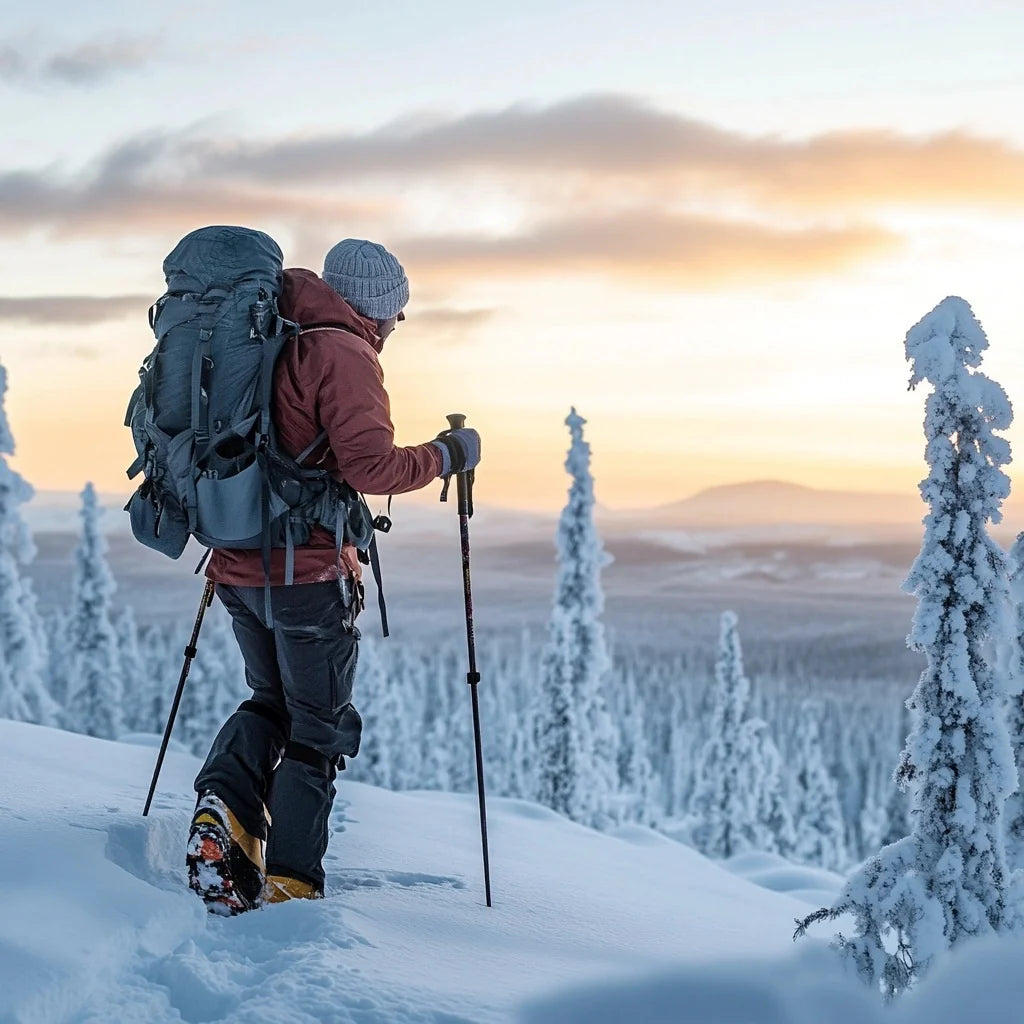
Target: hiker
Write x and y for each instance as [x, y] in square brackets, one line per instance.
[260, 830]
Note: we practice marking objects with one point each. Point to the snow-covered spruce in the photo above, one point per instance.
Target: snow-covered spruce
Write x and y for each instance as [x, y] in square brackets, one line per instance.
[215, 683]
[736, 792]
[640, 797]
[773, 798]
[1014, 666]
[386, 734]
[577, 762]
[134, 670]
[23, 653]
[947, 880]
[95, 687]
[818, 817]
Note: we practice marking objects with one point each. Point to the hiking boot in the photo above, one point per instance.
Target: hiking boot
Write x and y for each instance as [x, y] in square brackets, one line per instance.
[225, 863]
[280, 888]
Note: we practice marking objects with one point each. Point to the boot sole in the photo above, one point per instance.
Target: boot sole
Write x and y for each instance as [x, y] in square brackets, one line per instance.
[213, 861]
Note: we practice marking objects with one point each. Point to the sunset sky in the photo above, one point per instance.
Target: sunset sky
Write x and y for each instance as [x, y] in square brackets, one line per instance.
[707, 226]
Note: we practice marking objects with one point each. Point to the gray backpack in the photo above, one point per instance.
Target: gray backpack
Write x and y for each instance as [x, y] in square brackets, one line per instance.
[201, 415]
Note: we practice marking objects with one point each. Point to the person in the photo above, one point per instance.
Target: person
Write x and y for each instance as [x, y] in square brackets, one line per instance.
[265, 791]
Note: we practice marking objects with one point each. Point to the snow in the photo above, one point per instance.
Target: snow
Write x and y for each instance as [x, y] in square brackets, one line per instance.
[815, 886]
[97, 924]
[982, 983]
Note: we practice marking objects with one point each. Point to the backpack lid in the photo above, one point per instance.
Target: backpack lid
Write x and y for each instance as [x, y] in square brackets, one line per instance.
[222, 255]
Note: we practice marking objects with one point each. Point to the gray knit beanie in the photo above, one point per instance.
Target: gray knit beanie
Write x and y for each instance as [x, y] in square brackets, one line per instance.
[368, 276]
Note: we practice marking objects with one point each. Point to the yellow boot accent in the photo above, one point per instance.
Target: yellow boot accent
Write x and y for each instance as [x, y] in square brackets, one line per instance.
[251, 846]
[280, 888]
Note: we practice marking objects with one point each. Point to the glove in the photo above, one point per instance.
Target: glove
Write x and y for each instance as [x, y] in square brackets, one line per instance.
[460, 450]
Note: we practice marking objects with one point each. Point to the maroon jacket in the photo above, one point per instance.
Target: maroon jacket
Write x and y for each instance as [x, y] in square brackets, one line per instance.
[329, 378]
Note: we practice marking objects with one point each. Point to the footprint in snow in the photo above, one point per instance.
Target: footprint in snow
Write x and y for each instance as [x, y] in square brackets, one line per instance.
[350, 879]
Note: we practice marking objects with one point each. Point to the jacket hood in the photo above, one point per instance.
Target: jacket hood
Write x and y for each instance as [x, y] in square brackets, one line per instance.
[311, 302]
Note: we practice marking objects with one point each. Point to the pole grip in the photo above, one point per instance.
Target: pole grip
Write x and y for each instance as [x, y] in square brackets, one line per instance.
[464, 481]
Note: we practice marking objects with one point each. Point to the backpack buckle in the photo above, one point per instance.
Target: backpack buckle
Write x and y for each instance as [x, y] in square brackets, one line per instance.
[382, 524]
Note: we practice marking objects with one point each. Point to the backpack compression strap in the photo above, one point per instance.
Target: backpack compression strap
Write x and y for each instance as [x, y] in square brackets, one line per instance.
[375, 568]
[289, 534]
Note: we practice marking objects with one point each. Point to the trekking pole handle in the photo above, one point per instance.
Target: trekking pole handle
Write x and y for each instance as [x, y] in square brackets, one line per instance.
[455, 421]
[464, 480]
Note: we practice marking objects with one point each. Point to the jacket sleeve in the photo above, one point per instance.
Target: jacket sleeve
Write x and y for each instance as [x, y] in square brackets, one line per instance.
[355, 411]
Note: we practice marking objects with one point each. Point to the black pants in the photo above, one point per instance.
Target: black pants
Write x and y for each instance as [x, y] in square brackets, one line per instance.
[281, 749]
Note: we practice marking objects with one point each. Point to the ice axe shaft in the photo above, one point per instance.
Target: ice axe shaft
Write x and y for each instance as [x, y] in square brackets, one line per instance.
[464, 484]
[190, 653]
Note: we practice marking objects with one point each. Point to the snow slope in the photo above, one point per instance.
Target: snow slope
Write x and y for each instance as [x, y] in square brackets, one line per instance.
[97, 925]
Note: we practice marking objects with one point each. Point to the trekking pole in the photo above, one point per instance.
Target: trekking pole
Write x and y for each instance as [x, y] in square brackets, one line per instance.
[465, 492]
[190, 653]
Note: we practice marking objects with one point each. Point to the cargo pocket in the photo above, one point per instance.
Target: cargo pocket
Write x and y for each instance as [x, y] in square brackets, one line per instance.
[350, 729]
[343, 673]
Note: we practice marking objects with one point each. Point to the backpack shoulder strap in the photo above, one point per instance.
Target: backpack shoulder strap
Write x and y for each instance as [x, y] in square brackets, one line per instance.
[327, 326]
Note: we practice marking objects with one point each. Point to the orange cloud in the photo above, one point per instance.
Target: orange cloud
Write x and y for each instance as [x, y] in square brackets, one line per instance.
[645, 245]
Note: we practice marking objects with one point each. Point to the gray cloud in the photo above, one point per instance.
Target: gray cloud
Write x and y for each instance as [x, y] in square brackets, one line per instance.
[92, 62]
[617, 137]
[595, 133]
[88, 63]
[13, 66]
[81, 310]
[117, 201]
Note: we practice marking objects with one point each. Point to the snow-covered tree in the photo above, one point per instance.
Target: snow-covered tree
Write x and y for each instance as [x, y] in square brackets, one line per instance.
[155, 689]
[215, 684]
[817, 817]
[726, 805]
[95, 686]
[947, 880]
[407, 670]
[897, 806]
[386, 731]
[640, 788]
[1015, 719]
[133, 670]
[23, 692]
[773, 799]
[680, 771]
[441, 750]
[577, 767]
[520, 722]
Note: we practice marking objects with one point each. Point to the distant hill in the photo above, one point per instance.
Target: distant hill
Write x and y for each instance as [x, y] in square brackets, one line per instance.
[780, 503]
[776, 502]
